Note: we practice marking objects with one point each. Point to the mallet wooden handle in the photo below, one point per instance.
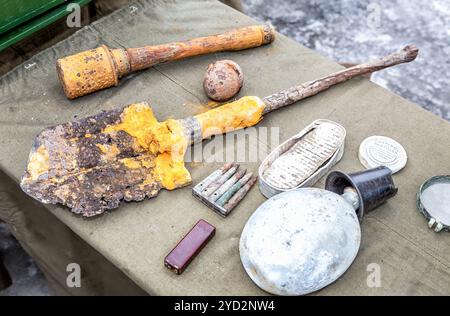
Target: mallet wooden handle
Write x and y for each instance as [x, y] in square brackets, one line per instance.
[102, 67]
[238, 39]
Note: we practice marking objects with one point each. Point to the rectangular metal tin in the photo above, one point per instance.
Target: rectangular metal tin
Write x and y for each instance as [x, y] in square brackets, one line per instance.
[269, 190]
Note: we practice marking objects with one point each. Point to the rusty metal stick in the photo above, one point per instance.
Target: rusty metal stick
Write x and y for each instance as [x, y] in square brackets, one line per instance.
[102, 67]
[232, 185]
[229, 194]
[239, 195]
[215, 175]
[228, 184]
[216, 184]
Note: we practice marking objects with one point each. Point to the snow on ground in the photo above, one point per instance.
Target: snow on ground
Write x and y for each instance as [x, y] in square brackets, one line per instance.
[357, 30]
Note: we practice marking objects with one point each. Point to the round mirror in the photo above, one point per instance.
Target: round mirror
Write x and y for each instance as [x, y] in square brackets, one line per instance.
[433, 201]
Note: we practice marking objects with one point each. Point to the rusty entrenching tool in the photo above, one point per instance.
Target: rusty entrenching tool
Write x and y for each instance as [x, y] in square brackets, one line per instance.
[92, 164]
[102, 67]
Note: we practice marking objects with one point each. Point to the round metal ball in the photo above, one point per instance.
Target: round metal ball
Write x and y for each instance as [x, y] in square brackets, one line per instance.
[223, 80]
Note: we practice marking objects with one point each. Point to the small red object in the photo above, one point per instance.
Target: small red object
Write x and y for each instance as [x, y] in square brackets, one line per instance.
[188, 248]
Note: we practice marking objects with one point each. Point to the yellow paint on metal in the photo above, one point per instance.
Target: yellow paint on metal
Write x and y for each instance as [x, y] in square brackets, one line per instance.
[131, 163]
[165, 141]
[87, 72]
[245, 112]
[39, 163]
[110, 151]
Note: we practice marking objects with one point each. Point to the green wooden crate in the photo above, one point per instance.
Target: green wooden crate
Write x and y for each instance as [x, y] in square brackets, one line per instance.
[21, 18]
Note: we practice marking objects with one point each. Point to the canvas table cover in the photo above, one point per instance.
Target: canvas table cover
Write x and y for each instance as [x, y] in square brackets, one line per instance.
[122, 252]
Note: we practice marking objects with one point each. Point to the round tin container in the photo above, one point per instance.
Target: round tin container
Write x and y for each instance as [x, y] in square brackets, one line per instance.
[433, 201]
[377, 151]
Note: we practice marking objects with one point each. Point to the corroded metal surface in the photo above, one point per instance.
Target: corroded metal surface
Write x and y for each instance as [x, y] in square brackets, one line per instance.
[89, 168]
[300, 241]
[268, 34]
[303, 159]
[92, 164]
[193, 129]
[87, 72]
[227, 185]
[220, 181]
[244, 187]
[226, 194]
[223, 189]
[223, 80]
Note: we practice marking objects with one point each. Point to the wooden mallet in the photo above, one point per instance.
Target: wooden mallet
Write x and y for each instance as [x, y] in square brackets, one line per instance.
[102, 67]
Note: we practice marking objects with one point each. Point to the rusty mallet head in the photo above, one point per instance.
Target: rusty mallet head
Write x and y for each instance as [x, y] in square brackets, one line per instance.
[92, 70]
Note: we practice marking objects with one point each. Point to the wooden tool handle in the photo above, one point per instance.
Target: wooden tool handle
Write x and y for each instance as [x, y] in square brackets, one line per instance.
[307, 89]
[238, 39]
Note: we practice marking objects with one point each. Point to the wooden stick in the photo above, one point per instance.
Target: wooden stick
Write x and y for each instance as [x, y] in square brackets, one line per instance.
[238, 39]
[310, 88]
